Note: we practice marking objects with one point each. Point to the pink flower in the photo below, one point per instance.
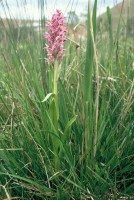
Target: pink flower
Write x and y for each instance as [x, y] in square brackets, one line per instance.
[56, 37]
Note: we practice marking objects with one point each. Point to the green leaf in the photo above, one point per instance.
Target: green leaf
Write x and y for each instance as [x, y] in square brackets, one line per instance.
[68, 126]
[48, 96]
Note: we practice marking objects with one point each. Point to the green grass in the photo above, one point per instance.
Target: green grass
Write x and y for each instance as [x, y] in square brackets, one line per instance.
[96, 117]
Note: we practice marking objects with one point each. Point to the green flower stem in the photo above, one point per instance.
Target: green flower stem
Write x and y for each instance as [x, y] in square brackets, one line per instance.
[55, 115]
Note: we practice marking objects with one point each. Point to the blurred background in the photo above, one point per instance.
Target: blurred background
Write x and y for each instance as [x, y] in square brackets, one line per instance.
[30, 15]
[28, 9]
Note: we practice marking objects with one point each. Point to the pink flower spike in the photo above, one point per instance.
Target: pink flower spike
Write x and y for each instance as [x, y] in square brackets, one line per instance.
[55, 37]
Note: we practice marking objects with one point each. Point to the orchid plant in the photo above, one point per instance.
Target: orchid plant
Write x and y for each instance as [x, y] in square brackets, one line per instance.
[55, 52]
